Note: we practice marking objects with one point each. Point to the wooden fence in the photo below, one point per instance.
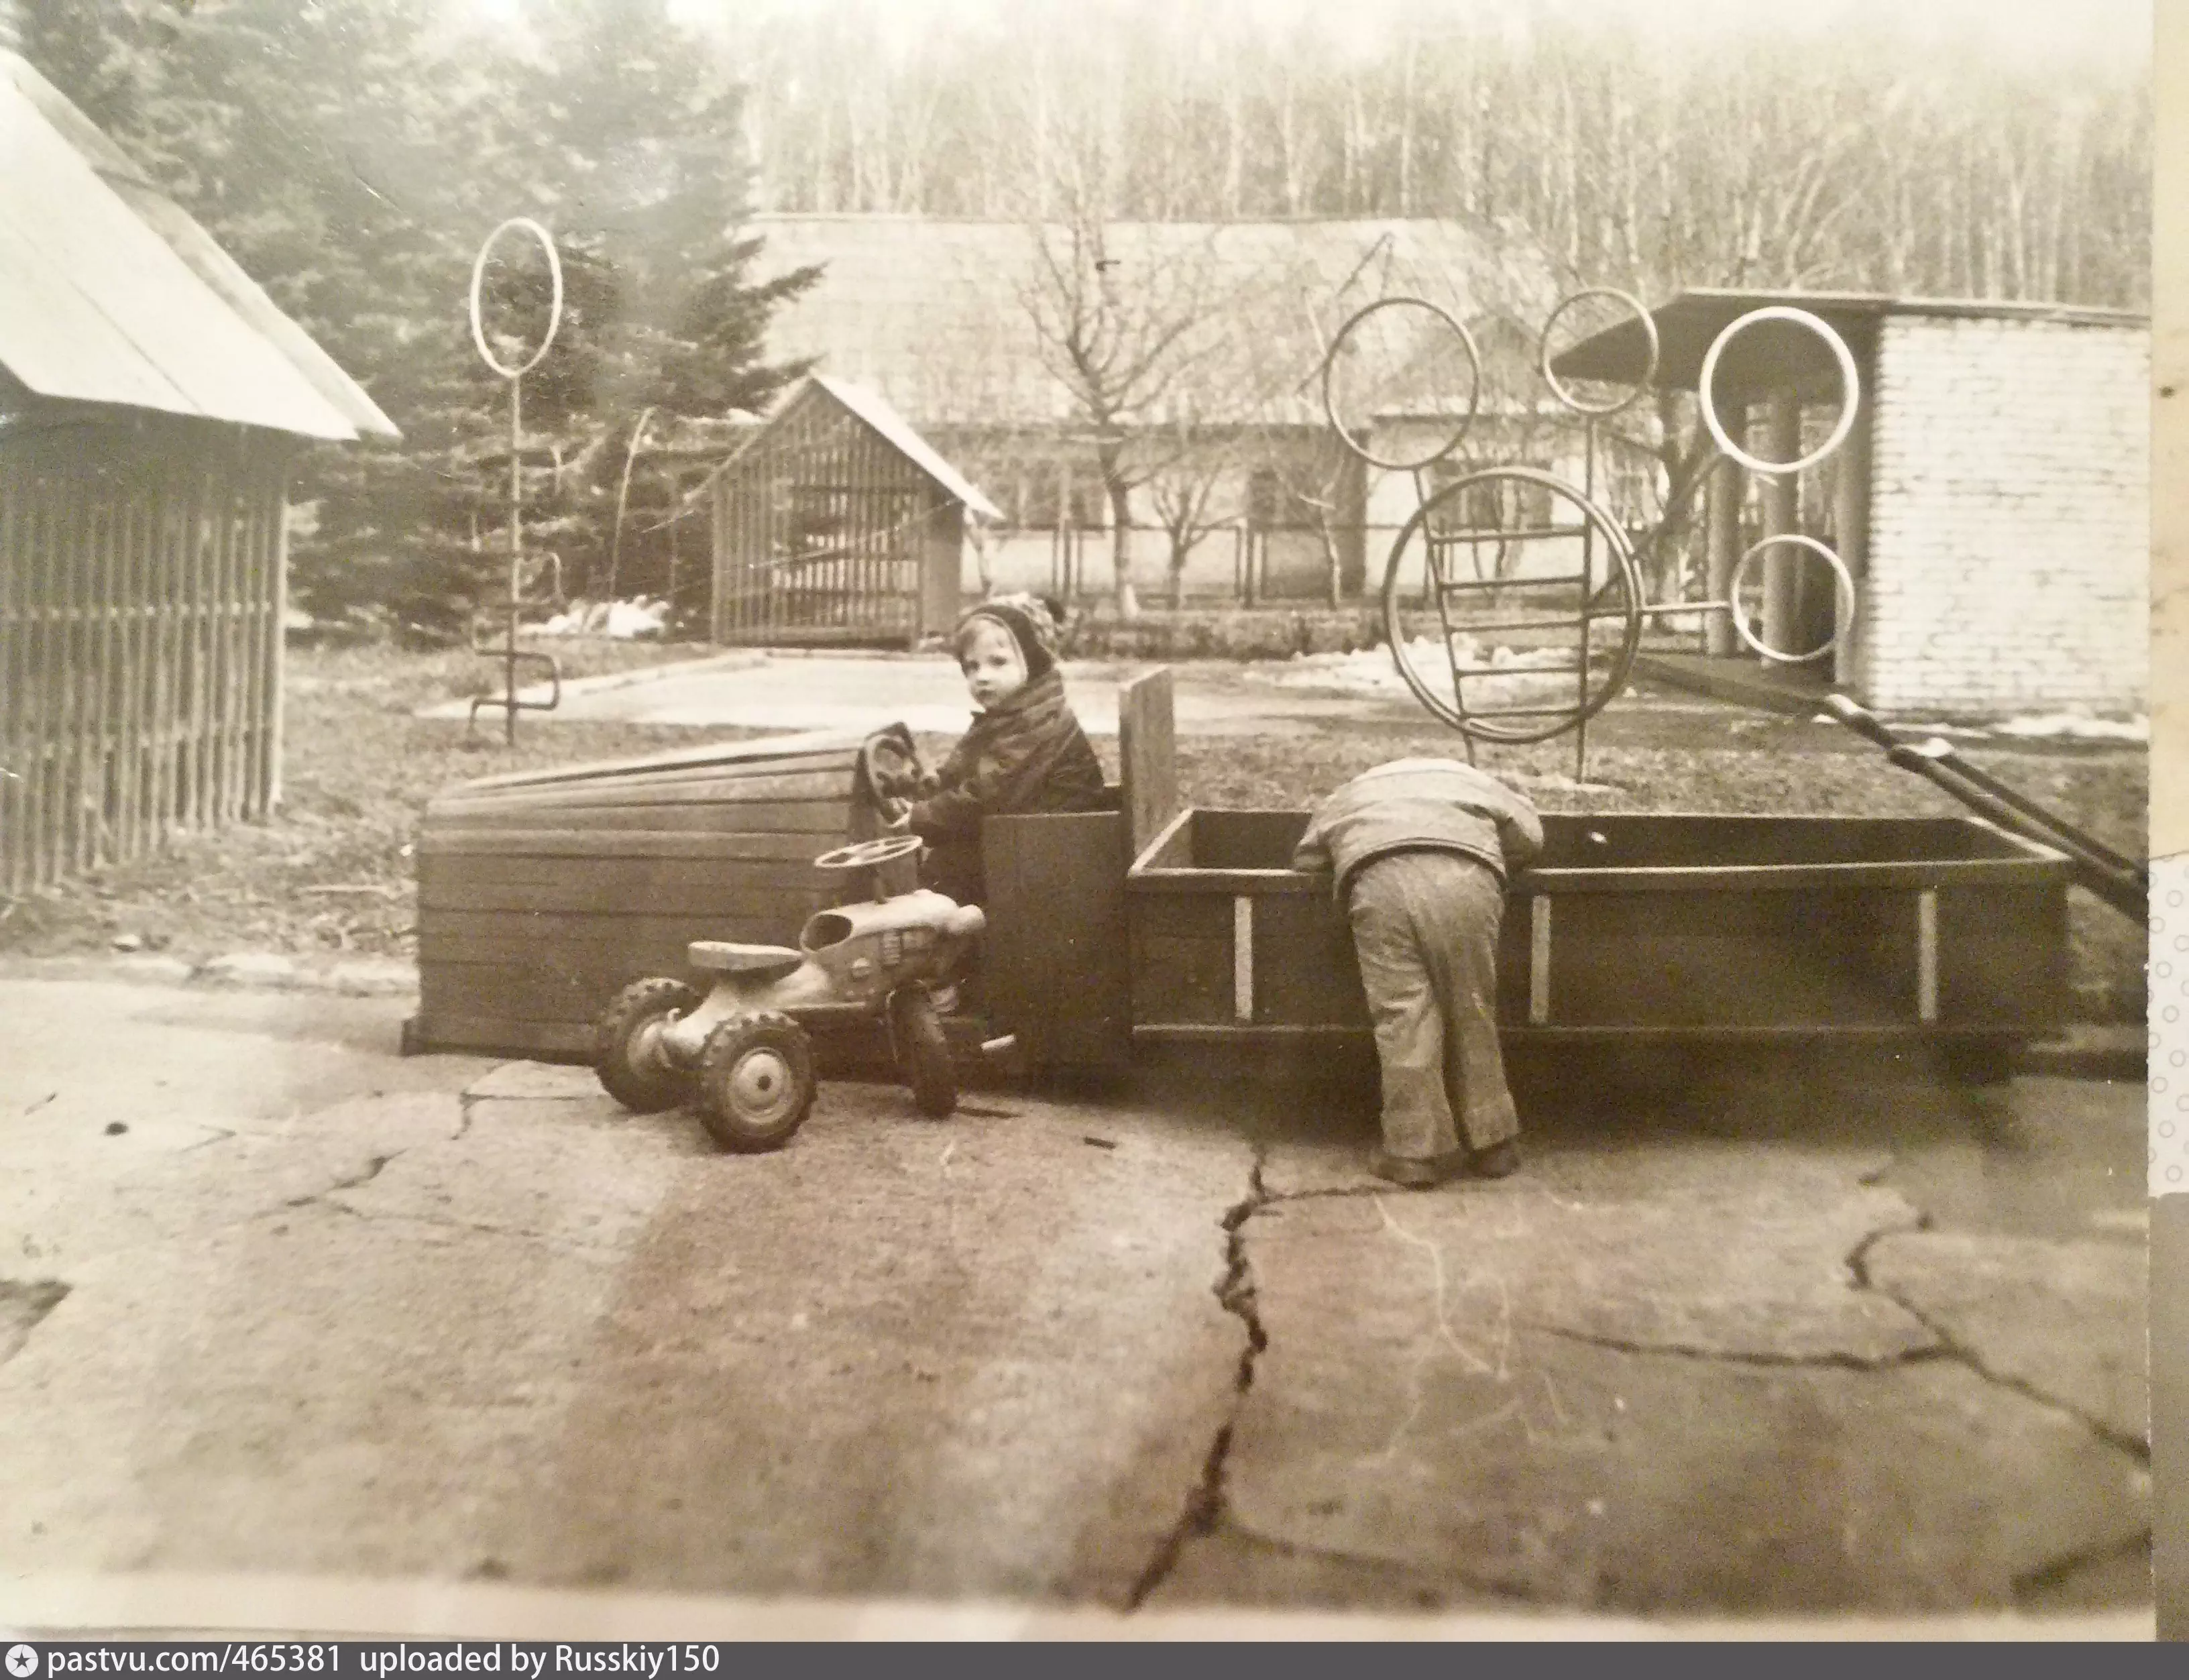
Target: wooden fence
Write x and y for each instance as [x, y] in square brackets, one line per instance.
[142, 568]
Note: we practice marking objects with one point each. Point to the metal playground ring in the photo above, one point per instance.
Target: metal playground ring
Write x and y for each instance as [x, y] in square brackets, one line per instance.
[546, 241]
[1518, 725]
[1358, 446]
[1599, 412]
[1843, 619]
[1850, 390]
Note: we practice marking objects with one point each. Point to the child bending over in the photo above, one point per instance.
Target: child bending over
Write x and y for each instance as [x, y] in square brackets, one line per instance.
[1025, 753]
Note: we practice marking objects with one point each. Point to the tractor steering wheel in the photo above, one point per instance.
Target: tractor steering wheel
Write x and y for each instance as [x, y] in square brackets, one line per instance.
[869, 854]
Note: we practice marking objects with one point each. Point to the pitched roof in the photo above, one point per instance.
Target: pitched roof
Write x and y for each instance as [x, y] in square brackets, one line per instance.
[872, 411]
[111, 293]
[937, 315]
[915, 449]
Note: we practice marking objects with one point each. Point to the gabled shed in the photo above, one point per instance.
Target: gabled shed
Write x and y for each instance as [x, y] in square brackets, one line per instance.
[839, 523]
[151, 401]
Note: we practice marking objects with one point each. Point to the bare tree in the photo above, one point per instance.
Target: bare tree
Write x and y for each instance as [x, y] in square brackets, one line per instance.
[1146, 336]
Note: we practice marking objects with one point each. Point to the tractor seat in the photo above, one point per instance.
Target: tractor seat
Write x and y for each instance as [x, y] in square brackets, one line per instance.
[762, 962]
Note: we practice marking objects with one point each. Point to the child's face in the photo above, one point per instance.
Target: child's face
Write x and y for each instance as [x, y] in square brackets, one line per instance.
[994, 668]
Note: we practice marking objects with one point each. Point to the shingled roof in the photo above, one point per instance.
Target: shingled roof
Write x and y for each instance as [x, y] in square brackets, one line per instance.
[109, 293]
[933, 313]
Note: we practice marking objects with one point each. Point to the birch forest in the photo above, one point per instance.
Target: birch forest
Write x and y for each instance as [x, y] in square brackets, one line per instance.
[1642, 157]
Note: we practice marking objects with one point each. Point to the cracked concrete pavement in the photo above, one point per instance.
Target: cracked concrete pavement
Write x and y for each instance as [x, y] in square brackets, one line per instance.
[272, 1299]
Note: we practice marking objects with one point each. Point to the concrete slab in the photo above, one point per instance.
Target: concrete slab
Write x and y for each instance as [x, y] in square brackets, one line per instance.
[901, 1357]
[2064, 1319]
[1705, 1245]
[1426, 1412]
[293, 1318]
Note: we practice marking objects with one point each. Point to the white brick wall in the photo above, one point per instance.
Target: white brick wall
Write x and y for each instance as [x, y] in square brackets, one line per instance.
[2010, 521]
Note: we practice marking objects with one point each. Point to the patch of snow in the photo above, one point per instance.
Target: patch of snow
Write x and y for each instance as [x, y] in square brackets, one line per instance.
[2067, 726]
[623, 620]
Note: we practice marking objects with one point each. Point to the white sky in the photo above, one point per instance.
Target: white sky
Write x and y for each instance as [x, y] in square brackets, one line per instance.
[2031, 30]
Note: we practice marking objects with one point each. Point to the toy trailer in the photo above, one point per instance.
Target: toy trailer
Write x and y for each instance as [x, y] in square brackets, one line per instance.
[1631, 931]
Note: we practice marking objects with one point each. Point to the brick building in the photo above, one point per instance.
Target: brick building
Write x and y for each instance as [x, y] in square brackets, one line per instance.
[1991, 500]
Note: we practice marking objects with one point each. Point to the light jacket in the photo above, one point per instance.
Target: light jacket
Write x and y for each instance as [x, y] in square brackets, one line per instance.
[1420, 804]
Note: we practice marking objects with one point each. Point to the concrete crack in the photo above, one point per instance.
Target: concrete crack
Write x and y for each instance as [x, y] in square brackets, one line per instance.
[1843, 1361]
[23, 1307]
[1235, 1293]
[2056, 1572]
[373, 1169]
[1949, 1347]
[2135, 1447]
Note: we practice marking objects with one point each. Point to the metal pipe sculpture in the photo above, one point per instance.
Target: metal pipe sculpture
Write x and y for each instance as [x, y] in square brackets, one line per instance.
[506, 651]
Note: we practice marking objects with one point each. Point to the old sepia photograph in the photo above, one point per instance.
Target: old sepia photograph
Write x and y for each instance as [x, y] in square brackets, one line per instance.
[1099, 819]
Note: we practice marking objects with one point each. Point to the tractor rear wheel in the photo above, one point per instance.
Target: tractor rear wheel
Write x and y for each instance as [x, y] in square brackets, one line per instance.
[755, 1082]
[625, 1053]
[923, 1053]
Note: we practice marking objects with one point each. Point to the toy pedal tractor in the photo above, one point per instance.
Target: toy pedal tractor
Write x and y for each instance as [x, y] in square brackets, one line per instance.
[743, 1050]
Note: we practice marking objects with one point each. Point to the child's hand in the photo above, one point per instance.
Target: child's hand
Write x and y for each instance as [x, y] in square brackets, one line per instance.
[896, 815]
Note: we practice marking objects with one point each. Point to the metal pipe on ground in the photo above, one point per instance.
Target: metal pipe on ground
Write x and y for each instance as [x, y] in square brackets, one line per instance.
[2103, 872]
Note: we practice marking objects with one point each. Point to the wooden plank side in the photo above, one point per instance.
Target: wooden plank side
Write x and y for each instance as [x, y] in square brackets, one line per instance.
[1716, 960]
[1727, 840]
[1752, 879]
[547, 1040]
[1147, 754]
[690, 788]
[776, 922]
[1304, 968]
[1057, 961]
[1182, 958]
[728, 849]
[814, 816]
[2003, 957]
[771, 755]
[612, 884]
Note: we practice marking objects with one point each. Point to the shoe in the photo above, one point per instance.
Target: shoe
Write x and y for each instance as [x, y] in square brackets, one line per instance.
[1499, 1160]
[1415, 1172]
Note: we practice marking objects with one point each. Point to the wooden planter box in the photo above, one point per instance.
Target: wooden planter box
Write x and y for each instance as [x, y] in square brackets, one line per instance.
[541, 895]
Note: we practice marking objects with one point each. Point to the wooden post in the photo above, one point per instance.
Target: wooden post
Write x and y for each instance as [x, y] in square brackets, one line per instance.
[278, 661]
[130, 747]
[1147, 756]
[13, 677]
[37, 679]
[1851, 521]
[98, 679]
[1782, 517]
[1721, 548]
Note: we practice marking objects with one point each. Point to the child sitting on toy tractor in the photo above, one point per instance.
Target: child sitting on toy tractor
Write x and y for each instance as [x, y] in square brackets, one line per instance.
[1025, 753]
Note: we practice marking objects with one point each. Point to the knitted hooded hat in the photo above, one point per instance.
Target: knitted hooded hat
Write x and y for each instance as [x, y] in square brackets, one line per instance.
[1031, 624]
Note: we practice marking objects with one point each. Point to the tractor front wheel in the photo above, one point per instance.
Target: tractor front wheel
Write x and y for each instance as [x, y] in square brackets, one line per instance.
[626, 1053]
[755, 1082]
[923, 1053]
